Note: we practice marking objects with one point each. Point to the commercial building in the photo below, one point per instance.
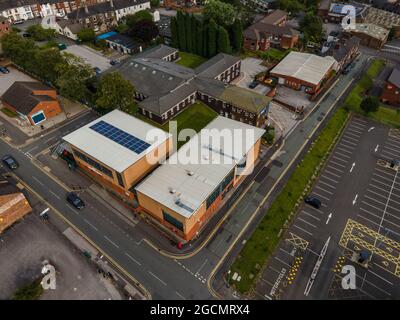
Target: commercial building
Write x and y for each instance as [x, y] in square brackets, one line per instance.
[371, 35]
[184, 192]
[118, 150]
[165, 89]
[391, 91]
[123, 44]
[304, 71]
[34, 102]
[13, 205]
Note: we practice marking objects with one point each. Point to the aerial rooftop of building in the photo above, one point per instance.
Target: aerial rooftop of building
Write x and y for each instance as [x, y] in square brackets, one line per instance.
[305, 66]
[183, 185]
[372, 30]
[394, 77]
[116, 139]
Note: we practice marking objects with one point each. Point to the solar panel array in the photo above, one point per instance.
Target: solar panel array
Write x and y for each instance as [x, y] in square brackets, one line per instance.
[121, 137]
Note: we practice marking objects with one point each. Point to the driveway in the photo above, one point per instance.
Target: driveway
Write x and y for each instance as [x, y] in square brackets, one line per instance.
[6, 80]
[251, 67]
[90, 56]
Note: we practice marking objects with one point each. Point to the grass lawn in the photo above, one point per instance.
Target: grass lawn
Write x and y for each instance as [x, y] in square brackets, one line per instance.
[195, 117]
[9, 113]
[264, 240]
[190, 60]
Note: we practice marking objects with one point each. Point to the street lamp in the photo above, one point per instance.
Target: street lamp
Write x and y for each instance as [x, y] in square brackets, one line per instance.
[229, 272]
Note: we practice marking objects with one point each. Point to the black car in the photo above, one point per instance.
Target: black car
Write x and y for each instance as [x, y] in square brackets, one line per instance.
[4, 70]
[313, 201]
[26, 35]
[253, 84]
[77, 202]
[10, 162]
[114, 62]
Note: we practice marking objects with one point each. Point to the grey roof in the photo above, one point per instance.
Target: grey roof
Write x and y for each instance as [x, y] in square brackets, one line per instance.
[20, 96]
[216, 65]
[9, 4]
[340, 52]
[158, 52]
[274, 17]
[261, 30]
[103, 7]
[7, 188]
[394, 77]
[123, 40]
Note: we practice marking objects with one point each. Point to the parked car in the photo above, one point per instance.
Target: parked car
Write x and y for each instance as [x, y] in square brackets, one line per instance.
[62, 46]
[18, 21]
[77, 202]
[4, 70]
[10, 162]
[114, 62]
[313, 201]
[348, 68]
[97, 70]
[26, 35]
[253, 84]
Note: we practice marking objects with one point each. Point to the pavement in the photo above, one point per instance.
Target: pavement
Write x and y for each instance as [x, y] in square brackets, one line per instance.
[90, 56]
[360, 211]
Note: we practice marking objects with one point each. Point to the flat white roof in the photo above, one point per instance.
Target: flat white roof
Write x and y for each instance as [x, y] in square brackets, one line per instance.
[110, 152]
[182, 184]
[304, 66]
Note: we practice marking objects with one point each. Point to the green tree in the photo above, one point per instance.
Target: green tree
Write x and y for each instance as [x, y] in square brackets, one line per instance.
[144, 30]
[40, 34]
[46, 63]
[370, 104]
[132, 19]
[188, 28]
[222, 13]
[86, 34]
[212, 38]
[223, 41]
[73, 76]
[115, 92]
[181, 30]
[311, 26]
[293, 6]
[193, 30]
[174, 33]
[19, 50]
[154, 3]
[237, 35]
[199, 38]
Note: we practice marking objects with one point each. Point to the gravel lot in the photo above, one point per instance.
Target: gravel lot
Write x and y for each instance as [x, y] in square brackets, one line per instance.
[89, 56]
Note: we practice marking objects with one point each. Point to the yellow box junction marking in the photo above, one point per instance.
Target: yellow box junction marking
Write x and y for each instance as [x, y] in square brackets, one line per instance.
[297, 241]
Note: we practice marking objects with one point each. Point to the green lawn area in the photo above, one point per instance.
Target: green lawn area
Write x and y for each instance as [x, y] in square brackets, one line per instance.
[195, 117]
[264, 240]
[9, 113]
[190, 60]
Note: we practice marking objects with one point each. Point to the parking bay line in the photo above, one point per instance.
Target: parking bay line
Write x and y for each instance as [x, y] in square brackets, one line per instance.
[354, 139]
[389, 153]
[343, 145]
[331, 173]
[341, 154]
[325, 177]
[352, 134]
[391, 149]
[344, 150]
[380, 277]
[385, 172]
[294, 225]
[58, 197]
[309, 214]
[326, 184]
[345, 161]
[349, 128]
[305, 221]
[157, 278]
[380, 217]
[338, 164]
[387, 191]
[318, 187]
[346, 141]
[320, 195]
[373, 199]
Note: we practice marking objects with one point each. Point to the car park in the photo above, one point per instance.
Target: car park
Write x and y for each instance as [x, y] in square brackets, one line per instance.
[313, 201]
[10, 162]
[74, 199]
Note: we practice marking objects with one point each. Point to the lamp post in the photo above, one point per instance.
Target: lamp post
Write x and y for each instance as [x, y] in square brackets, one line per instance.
[229, 273]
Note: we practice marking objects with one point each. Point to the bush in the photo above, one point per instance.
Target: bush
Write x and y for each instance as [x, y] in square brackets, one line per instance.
[31, 291]
[86, 35]
[40, 34]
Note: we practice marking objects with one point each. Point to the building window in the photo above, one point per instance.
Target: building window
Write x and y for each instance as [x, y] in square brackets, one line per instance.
[218, 190]
[93, 163]
[120, 180]
[173, 221]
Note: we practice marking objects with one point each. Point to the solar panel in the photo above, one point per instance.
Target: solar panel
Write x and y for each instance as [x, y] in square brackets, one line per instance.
[121, 137]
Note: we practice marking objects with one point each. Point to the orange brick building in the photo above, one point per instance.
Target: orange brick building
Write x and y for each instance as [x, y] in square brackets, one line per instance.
[391, 91]
[118, 150]
[4, 26]
[13, 205]
[184, 193]
[32, 101]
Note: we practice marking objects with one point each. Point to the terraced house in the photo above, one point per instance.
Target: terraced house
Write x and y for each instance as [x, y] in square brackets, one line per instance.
[165, 89]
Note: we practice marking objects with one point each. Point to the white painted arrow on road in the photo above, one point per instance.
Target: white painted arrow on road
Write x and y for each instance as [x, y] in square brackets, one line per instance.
[329, 218]
[376, 148]
[352, 166]
[370, 129]
[355, 199]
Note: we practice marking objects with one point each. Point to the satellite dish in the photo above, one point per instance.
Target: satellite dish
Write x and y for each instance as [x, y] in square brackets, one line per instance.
[49, 22]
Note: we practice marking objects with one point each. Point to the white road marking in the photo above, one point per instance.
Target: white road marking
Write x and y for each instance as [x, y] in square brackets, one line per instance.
[370, 129]
[38, 181]
[113, 243]
[179, 295]
[342, 144]
[157, 278]
[382, 278]
[133, 259]
[376, 148]
[351, 138]
[310, 224]
[343, 155]
[320, 195]
[336, 169]
[327, 184]
[329, 218]
[294, 225]
[91, 225]
[54, 194]
[352, 166]
[355, 199]
[327, 178]
[344, 150]
[34, 148]
[348, 142]
[202, 266]
[331, 173]
[318, 187]
[345, 161]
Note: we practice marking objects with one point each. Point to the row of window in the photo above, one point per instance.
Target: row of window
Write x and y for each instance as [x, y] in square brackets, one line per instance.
[173, 221]
[93, 163]
[218, 190]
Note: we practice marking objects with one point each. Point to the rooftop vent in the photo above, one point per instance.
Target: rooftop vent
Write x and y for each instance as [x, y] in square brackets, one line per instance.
[172, 190]
[190, 173]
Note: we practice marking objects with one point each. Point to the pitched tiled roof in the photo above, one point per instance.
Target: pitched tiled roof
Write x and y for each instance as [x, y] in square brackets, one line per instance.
[394, 77]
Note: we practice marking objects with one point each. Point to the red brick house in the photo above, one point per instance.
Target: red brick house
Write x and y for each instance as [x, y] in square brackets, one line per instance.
[32, 101]
[391, 91]
[270, 31]
[4, 26]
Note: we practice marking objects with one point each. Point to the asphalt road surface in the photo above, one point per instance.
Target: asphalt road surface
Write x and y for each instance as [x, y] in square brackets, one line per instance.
[360, 212]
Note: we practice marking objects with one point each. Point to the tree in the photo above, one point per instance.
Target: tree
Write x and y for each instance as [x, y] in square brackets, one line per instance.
[40, 34]
[212, 38]
[199, 38]
[154, 3]
[223, 41]
[193, 31]
[293, 6]
[46, 64]
[142, 15]
[174, 33]
[73, 76]
[115, 92]
[181, 30]
[86, 34]
[237, 35]
[144, 30]
[188, 28]
[19, 50]
[370, 104]
[222, 13]
[311, 26]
